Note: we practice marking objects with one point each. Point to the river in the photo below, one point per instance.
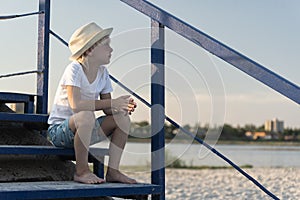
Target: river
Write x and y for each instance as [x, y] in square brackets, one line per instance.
[138, 154]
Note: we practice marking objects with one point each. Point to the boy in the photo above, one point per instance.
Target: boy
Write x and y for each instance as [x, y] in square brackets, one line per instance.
[72, 119]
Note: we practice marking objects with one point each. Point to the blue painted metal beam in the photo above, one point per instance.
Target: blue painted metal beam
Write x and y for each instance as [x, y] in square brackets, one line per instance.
[10, 97]
[46, 150]
[158, 107]
[27, 99]
[243, 63]
[40, 118]
[59, 38]
[71, 189]
[20, 15]
[43, 57]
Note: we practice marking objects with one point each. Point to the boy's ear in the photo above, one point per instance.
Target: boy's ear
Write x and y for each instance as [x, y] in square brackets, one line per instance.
[89, 52]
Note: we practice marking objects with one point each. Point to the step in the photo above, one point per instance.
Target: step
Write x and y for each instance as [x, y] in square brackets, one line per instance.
[10, 97]
[35, 121]
[96, 155]
[46, 150]
[70, 189]
[30, 121]
[27, 99]
[16, 117]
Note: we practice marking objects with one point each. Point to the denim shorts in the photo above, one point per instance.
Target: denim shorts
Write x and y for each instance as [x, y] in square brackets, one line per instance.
[60, 135]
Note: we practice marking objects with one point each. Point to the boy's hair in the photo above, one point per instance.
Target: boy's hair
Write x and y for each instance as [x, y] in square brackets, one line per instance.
[80, 58]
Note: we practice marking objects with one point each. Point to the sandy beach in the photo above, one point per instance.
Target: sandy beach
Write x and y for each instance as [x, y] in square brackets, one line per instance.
[182, 184]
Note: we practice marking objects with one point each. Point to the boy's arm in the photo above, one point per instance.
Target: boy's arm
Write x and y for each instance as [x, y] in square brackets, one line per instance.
[107, 111]
[119, 104]
[128, 108]
[77, 105]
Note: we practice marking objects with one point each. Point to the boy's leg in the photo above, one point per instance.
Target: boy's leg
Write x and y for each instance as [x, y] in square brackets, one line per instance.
[118, 126]
[82, 124]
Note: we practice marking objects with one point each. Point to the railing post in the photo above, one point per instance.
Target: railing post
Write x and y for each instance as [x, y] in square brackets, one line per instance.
[43, 56]
[157, 108]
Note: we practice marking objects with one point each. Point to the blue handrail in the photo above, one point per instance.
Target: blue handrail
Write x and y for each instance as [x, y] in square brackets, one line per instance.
[43, 54]
[238, 60]
[20, 15]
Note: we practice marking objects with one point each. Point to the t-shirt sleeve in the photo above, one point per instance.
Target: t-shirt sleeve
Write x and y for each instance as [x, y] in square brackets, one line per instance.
[107, 87]
[71, 75]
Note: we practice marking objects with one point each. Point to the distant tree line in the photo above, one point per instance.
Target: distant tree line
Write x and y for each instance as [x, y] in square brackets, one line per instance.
[228, 132]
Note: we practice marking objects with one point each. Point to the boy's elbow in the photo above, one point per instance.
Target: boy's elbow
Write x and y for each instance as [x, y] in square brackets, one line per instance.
[75, 108]
[107, 111]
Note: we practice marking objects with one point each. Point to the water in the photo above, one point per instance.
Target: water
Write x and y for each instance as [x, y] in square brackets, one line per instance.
[198, 155]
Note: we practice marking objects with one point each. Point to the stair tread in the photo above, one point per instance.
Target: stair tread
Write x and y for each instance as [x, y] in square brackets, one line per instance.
[36, 149]
[11, 97]
[42, 118]
[69, 189]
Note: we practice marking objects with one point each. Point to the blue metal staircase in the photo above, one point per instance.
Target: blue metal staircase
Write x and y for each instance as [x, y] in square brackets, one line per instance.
[37, 114]
[160, 20]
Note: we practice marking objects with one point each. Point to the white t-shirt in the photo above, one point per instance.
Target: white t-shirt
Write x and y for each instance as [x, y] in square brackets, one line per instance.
[75, 76]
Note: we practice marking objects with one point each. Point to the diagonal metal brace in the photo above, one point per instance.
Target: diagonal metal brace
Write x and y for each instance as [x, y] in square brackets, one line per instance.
[229, 55]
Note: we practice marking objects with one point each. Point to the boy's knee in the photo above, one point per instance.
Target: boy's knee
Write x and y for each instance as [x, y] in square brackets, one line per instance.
[122, 118]
[122, 121]
[85, 118]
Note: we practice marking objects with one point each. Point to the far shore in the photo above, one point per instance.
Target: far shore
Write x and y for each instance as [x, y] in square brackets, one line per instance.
[227, 142]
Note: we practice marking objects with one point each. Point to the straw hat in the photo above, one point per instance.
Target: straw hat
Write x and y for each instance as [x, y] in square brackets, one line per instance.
[84, 37]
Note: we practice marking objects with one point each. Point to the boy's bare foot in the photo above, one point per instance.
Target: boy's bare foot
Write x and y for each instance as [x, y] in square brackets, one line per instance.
[88, 178]
[115, 176]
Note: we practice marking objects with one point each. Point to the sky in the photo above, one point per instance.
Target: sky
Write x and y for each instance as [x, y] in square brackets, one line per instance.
[200, 88]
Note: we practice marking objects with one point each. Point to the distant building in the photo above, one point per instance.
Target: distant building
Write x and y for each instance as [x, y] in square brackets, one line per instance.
[258, 135]
[274, 126]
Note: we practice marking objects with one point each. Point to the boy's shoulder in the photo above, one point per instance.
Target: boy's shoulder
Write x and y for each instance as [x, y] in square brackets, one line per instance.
[73, 66]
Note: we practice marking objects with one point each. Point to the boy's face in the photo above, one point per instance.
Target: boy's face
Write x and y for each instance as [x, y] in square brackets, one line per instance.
[102, 52]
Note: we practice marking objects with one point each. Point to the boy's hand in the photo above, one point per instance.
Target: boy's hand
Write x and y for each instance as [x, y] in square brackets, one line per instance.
[120, 104]
[123, 104]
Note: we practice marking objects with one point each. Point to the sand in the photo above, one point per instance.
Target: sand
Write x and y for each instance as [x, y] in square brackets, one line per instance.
[182, 184]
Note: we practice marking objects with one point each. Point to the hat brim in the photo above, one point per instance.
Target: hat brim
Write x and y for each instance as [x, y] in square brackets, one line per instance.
[98, 36]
